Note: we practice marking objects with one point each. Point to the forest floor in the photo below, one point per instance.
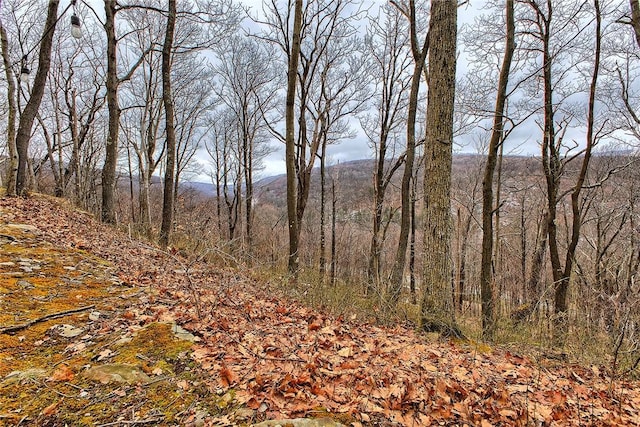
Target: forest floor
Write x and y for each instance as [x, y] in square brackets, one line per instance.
[99, 329]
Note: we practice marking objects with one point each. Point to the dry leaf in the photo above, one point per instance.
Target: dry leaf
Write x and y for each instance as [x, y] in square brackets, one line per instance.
[62, 373]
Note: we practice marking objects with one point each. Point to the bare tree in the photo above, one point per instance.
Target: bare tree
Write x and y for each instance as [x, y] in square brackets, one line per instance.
[12, 113]
[170, 130]
[247, 89]
[30, 111]
[496, 141]
[436, 307]
[388, 46]
[419, 58]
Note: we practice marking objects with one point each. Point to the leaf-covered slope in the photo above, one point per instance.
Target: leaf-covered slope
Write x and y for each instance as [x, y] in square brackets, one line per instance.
[262, 356]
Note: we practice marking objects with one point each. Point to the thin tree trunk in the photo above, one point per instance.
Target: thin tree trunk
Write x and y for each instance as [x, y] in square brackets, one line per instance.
[323, 191]
[397, 273]
[290, 157]
[170, 130]
[12, 112]
[412, 245]
[334, 259]
[111, 153]
[486, 276]
[562, 286]
[30, 111]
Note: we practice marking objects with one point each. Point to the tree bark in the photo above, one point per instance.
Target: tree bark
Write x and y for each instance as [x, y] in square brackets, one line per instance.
[420, 55]
[290, 155]
[635, 18]
[562, 286]
[11, 115]
[170, 130]
[486, 276]
[30, 111]
[437, 304]
[111, 153]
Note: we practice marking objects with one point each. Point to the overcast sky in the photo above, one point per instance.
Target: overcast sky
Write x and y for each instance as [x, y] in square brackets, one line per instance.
[357, 148]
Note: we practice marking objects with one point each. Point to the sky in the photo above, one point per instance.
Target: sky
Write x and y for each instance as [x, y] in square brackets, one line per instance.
[524, 140]
[358, 147]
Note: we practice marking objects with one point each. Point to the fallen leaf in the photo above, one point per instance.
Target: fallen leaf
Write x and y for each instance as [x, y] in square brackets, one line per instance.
[51, 409]
[62, 373]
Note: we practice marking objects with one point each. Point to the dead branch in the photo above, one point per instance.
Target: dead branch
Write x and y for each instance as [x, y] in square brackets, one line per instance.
[15, 328]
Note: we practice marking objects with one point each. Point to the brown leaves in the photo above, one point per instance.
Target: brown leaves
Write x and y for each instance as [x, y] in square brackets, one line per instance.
[284, 360]
[62, 373]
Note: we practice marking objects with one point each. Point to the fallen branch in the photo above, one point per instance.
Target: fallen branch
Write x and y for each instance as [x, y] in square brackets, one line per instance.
[15, 328]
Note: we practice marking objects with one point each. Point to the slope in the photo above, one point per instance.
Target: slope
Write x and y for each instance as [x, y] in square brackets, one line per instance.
[250, 354]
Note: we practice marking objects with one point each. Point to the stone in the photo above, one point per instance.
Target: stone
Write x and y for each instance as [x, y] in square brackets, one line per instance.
[119, 373]
[23, 284]
[5, 238]
[19, 376]
[22, 227]
[300, 422]
[67, 331]
[182, 333]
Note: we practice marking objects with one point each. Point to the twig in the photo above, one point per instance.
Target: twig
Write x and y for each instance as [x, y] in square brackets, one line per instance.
[22, 326]
[145, 421]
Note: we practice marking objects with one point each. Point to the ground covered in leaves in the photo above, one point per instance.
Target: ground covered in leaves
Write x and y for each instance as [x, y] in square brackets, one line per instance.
[99, 329]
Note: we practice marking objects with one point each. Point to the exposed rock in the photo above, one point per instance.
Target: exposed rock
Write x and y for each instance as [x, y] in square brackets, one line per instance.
[5, 238]
[22, 227]
[23, 284]
[300, 422]
[67, 331]
[119, 373]
[183, 334]
[19, 376]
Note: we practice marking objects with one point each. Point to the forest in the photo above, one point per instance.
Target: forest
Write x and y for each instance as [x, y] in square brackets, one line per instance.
[494, 198]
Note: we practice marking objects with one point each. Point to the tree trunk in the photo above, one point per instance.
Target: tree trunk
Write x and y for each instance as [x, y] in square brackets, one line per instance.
[397, 273]
[635, 18]
[437, 306]
[12, 111]
[111, 153]
[486, 276]
[334, 259]
[561, 289]
[30, 111]
[323, 197]
[170, 130]
[412, 244]
[290, 158]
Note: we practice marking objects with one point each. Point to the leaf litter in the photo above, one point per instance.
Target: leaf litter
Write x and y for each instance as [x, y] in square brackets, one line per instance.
[252, 354]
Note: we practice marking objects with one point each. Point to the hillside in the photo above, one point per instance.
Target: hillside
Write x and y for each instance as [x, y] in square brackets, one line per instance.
[100, 329]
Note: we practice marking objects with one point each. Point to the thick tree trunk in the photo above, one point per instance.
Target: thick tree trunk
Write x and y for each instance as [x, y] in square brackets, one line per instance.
[486, 276]
[437, 306]
[635, 18]
[30, 111]
[170, 130]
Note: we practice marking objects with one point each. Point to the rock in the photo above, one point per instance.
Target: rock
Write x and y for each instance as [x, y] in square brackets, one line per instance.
[182, 333]
[67, 331]
[119, 373]
[5, 238]
[19, 376]
[23, 284]
[300, 422]
[22, 227]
